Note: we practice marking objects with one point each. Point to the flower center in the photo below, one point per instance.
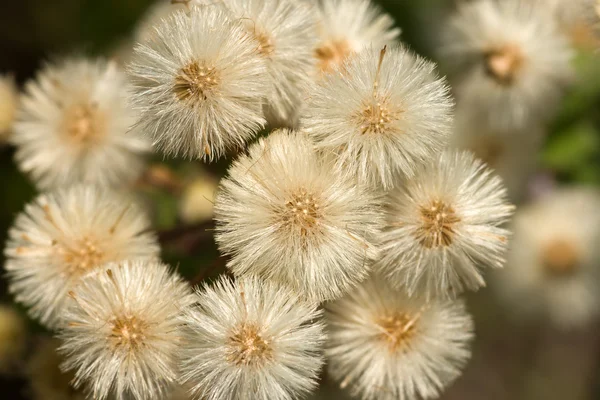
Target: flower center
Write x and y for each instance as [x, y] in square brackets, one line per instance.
[83, 123]
[196, 81]
[560, 258]
[248, 347]
[504, 63]
[376, 118]
[82, 257]
[397, 329]
[438, 225]
[332, 53]
[265, 43]
[302, 210]
[127, 332]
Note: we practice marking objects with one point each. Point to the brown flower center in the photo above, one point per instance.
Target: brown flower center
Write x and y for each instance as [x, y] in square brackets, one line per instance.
[332, 54]
[504, 63]
[196, 81]
[127, 332]
[82, 257]
[376, 118]
[397, 329]
[560, 258]
[247, 346]
[302, 210]
[84, 123]
[438, 225]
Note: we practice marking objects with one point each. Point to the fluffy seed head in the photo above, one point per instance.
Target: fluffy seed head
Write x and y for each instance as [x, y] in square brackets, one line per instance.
[283, 214]
[284, 34]
[347, 27]
[9, 101]
[199, 83]
[380, 117]
[553, 265]
[123, 330]
[74, 126]
[252, 340]
[65, 235]
[509, 61]
[444, 226]
[384, 345]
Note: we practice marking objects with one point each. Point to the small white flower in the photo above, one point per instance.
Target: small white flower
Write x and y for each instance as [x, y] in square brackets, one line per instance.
[123, 330]
[553, 266]
[9, 101]
[199, 84]
[347, 27]
[284, 214]
[74, 126]
[13, 338]
[285, 36]
[443, 227]
[510, 61]
[252, 340]
[383, 345]
[511, 154]
[381, 116]
[64, 235]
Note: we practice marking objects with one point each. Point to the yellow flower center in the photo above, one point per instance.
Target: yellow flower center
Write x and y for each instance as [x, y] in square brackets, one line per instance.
[247, 346]
[438, 225]
[196, 81]
[504, 63]
[397, 330]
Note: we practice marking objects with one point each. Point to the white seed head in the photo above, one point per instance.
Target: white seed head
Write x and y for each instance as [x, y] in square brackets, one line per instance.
[553, 265]
[380, 117]
[199, 84]
[347, 27]
[509, 61]
[13, 338]
[74, 125]
[9, 101]
[252, 340]
[443, 227]
[284, 34]
[123, 330]
[284, 214]
[383, 345]
[65, 235]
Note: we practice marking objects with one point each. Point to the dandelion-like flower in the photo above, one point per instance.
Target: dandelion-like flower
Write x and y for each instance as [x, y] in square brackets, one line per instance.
[199, 84]
[284, 34]
[252, 340]
[347, 27]
[384, 345]
[553, 265]
[74, 126]
[123, 331]
[509, 59]
[63, 236]
[443, 227]
[382, 116]
[9, 100]
[285, 215]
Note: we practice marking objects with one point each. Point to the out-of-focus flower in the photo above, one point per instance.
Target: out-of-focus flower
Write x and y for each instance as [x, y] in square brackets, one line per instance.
[65, 235]
[252, 340]
[284, 214]
[443, 227]
[347, 27]
[512, 155]
[123, 331]
[384, 345]
[9, 101]
[13, 338]
[46, 381]
[553, 266]
[380, 117]
[197, 200]
[74, 126]
[199, 84]
[285, 35]
[509, 61]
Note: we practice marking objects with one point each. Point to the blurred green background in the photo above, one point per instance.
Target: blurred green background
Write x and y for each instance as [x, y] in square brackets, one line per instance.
[509, 361]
